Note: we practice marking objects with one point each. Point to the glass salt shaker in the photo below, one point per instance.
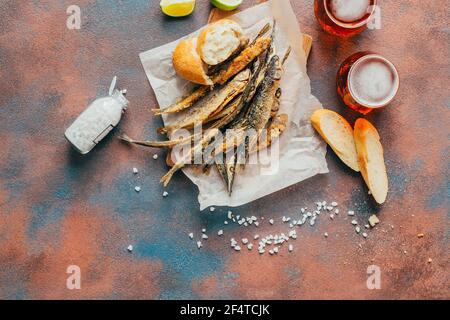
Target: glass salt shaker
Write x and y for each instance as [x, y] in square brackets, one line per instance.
[97, 120]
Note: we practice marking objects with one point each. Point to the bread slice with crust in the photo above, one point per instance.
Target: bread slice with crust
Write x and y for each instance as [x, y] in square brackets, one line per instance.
[371, 159]
[338, 133]
[218, 41]
[188, 64]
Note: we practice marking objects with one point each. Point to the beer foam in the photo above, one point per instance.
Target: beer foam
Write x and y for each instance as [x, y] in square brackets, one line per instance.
[372, 82]
[349, 10]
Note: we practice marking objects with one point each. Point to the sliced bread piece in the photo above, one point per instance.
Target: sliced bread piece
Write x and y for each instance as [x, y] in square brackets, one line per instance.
[371, 159]
[218, 41]
[338, 133]
[187, 63]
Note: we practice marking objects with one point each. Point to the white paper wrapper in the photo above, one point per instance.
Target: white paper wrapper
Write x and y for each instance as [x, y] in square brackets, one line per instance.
[301, 152]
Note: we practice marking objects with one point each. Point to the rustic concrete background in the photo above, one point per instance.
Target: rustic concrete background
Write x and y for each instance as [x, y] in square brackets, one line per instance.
[58, 208]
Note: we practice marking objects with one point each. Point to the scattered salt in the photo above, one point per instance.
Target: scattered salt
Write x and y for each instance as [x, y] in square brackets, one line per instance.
[373, 220]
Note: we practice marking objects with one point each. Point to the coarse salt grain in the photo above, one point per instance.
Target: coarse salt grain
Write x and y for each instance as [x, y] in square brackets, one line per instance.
[220, 232]
[135, 170]
[199, 244]
[130, 248]
[212, 209]
[165, 194]
[271, 221]
[290, 247]
[155, 156]
[191, 235]
[137, 189]
[373, 220]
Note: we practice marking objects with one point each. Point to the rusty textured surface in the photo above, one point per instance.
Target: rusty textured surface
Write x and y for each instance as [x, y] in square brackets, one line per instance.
[58, 208]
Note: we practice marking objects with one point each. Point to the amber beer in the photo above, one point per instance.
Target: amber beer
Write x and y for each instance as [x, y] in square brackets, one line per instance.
[344, 18]
[367, 81]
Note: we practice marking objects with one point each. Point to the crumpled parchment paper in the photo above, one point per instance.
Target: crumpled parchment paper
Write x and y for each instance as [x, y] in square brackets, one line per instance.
[301, 152]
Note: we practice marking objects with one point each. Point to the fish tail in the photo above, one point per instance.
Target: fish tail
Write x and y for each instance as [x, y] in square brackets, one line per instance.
[165, 180]
[125, 138]
[286, 55]
[163, 130]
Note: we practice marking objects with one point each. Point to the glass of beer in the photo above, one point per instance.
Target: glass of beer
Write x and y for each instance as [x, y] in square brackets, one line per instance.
[344, 18]
[367, 81]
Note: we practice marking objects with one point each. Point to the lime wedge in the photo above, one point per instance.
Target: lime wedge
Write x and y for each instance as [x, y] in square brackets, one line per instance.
[226, 5]
[177, 8]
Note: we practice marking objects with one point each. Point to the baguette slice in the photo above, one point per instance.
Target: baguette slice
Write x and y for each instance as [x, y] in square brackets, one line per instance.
[338, 133]
[187, 63]
[218, 41]
[371, 159]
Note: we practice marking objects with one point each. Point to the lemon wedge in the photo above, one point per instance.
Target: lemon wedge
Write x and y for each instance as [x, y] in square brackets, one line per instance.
[177, 8]
[226, 5]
